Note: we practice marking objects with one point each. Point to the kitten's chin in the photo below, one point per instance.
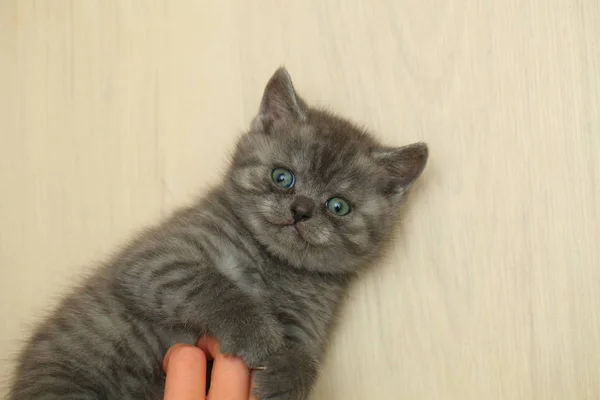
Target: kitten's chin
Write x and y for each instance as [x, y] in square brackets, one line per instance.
[296, 246]
[287, 233]
[290, 238]
[293, 244]
[288, 242]
[293, 231]
[297, 233]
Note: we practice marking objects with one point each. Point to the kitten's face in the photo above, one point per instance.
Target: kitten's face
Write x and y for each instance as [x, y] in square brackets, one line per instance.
[315, 190]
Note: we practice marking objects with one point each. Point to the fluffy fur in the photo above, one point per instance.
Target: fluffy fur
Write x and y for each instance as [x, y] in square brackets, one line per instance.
[235, 265]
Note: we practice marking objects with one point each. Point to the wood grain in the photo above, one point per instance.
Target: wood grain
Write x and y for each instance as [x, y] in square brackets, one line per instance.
[114, 112]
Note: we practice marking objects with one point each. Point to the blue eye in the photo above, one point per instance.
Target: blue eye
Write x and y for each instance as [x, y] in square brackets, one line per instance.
[338, 206]
[282, 177]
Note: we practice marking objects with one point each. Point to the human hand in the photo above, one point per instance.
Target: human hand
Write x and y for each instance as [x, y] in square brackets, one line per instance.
[186, 366]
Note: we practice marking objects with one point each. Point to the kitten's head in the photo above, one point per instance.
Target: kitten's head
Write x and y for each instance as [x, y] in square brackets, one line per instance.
[313, 188]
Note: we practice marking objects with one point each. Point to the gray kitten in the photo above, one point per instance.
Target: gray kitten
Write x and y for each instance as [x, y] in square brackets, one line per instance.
[260, 263]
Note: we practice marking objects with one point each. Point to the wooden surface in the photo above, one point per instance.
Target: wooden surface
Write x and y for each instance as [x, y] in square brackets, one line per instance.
[112, 113]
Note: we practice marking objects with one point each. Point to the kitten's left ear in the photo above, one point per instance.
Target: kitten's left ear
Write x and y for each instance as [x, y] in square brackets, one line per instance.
[280, 100]
[404, 165]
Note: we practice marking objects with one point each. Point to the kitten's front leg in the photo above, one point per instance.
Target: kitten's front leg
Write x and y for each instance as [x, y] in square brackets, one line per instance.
[244, 326]
[201, 300]
[246, 330]
[289, 374]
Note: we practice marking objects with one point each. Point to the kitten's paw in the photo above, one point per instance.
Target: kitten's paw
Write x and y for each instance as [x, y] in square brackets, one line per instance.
[253, 343]
[287, 376]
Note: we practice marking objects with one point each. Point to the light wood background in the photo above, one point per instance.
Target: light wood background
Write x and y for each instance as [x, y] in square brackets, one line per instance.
[113, 112]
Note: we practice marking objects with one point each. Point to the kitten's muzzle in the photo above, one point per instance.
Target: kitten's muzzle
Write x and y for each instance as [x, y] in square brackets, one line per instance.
[302, 208]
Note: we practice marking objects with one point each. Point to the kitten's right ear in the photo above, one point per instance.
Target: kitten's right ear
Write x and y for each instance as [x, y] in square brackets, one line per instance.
[280, 101]
[403, 164]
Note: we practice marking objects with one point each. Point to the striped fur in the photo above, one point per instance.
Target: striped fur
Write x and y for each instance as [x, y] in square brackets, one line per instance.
[232, 265]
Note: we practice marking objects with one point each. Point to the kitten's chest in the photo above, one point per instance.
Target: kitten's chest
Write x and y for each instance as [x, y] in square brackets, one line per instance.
[305, 304]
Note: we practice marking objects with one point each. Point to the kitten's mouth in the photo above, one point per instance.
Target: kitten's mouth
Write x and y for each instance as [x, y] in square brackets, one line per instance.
[289, 230]
[295, 229]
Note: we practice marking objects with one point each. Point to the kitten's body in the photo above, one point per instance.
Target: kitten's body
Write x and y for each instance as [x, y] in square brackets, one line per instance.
[234, 265]
[112, 334]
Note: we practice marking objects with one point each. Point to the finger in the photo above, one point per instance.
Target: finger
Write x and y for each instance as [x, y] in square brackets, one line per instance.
[230, 379]
[165, 362]
[185, 367]
[230, 376]
[209, 346]
[252, 397]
